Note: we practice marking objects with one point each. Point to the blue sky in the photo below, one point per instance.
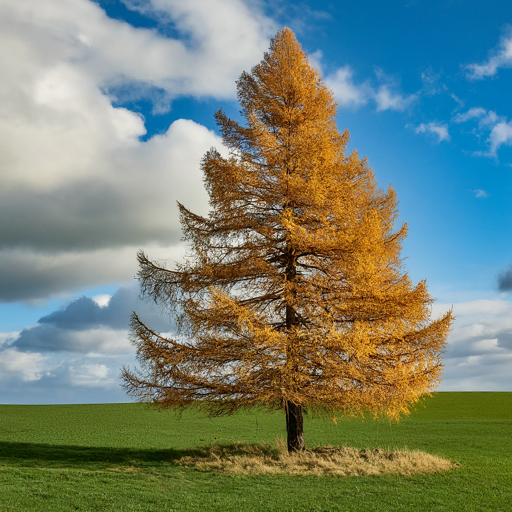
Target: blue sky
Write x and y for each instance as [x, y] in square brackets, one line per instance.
[108, 107]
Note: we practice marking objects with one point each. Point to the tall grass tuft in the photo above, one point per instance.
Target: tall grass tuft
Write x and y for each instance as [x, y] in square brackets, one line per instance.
[259, 459]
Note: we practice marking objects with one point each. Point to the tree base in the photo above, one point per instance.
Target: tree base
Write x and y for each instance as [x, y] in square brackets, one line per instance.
[294, 427]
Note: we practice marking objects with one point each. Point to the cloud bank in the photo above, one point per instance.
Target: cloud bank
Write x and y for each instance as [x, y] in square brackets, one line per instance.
[81, 192]
[84, 326]
[479, 355]
[81, 346]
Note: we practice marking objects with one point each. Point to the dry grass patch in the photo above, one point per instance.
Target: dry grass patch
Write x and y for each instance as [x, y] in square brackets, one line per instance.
[254, 459]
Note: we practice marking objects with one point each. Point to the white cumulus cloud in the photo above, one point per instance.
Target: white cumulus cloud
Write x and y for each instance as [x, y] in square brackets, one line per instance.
[485, 118]
[102, 299]
[346, 92]
[90, 375]
[500, 131]
[440, 130]
[501, 134]
[480, 193]
[387, 99]
[21, 365]
[501, 57]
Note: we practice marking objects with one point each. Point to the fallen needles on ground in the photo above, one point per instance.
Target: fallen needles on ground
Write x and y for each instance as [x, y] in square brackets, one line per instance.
[253, 459]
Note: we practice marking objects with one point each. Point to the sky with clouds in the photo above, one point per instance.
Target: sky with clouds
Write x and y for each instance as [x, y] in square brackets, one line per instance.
[106, 108]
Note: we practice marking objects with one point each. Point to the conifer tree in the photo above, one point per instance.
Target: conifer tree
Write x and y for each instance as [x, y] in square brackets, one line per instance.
[293, 295]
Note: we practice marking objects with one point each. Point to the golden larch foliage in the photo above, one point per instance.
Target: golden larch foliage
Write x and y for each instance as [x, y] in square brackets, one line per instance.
[293, 294]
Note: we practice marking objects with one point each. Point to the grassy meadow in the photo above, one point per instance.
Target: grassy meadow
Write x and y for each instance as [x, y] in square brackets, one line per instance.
[123, 457]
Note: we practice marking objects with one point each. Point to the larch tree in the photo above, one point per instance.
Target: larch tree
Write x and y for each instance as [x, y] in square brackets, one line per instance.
[293, 295]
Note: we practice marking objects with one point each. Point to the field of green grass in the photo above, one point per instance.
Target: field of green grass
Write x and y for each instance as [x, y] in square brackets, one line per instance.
[122, 457]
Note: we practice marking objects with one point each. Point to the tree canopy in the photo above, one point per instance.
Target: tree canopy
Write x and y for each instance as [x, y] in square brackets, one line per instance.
[293, 294]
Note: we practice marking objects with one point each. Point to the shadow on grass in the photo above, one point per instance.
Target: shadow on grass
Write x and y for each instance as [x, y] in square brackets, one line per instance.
[237, 458]
[84, 457]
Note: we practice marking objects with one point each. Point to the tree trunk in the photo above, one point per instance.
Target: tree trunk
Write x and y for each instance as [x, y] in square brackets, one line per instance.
[294, 420]
[294, 427]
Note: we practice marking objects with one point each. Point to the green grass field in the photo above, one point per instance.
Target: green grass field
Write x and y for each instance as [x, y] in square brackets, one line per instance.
[123, 457]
